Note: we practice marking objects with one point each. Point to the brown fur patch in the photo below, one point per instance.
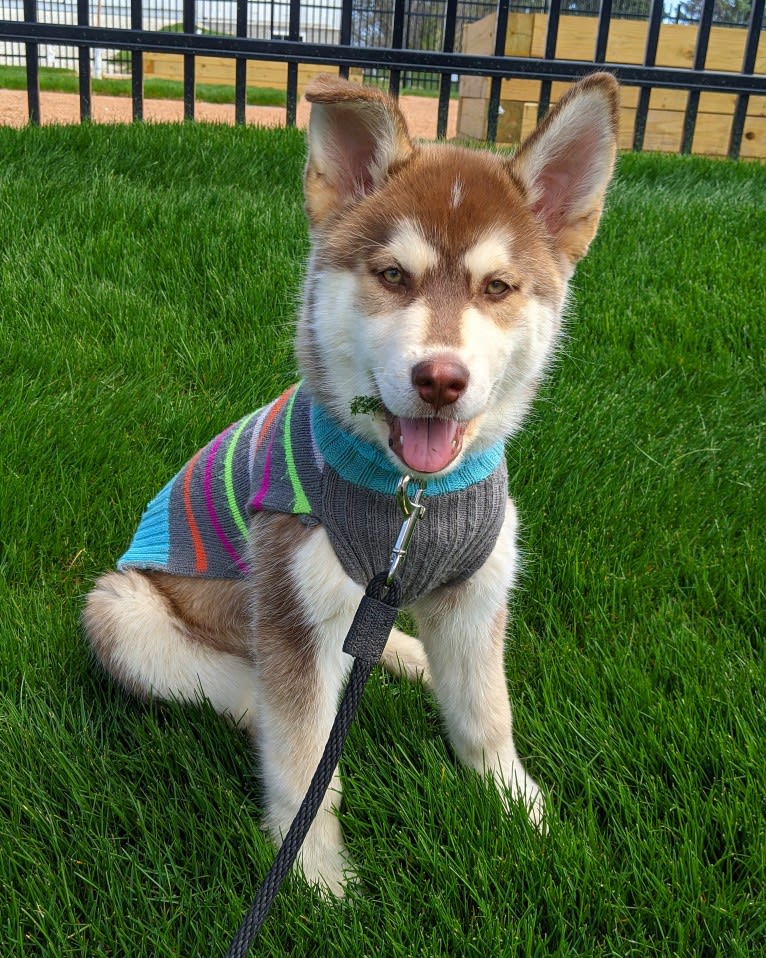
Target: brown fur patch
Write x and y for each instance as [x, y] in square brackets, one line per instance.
[212, 612]
[284, 649]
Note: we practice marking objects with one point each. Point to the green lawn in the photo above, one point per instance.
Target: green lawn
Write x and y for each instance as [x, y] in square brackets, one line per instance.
[148, 280]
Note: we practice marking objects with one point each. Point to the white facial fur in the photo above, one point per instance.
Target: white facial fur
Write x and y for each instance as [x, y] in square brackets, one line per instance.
[373, 355]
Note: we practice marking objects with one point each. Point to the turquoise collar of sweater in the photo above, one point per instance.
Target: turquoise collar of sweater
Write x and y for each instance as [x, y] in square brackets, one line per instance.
[359, 462]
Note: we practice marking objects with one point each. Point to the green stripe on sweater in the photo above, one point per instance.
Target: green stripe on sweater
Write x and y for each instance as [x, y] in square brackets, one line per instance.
[301, 504]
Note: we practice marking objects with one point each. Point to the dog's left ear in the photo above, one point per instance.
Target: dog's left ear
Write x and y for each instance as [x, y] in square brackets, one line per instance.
[566, 164]
[356, 136]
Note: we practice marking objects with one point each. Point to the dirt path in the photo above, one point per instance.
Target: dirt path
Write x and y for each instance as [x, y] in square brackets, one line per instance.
[421, 112]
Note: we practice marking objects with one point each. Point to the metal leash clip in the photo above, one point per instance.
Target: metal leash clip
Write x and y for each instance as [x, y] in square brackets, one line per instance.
[412, 510]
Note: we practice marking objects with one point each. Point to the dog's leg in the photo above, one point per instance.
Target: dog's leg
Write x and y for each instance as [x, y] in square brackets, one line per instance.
[463, 630]
[304, 604]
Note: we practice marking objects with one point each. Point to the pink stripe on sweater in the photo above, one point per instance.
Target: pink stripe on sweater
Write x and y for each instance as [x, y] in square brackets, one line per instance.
[214, 520]
[256, 503]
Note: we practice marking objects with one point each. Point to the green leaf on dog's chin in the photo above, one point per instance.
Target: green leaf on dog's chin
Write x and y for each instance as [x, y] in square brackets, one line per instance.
[364, 404]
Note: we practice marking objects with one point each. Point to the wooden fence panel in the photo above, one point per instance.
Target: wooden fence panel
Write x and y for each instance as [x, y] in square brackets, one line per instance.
[221, 70]
[519, 97]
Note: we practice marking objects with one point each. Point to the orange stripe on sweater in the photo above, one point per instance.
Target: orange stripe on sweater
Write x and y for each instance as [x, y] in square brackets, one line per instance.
[276, 409]
[200, 556]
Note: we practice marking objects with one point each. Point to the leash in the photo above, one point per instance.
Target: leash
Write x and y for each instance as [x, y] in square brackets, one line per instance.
[365, 641]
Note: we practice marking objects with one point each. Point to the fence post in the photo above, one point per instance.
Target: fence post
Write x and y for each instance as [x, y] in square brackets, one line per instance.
[346, 19]
[700, 55]
[397, 43]
[33, 67]
[240, 68]
[137, 63]
[83, 20]
[445, 81]
[189, 26]
[650, 55]
[493, 107]
[748, 67]
[551, 37]
[602, 36]
[294, 34]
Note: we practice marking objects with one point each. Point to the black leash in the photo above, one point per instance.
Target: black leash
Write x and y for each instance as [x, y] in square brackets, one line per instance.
[365, 641]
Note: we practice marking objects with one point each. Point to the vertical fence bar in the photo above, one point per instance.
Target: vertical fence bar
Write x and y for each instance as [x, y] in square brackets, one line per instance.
[551, 38]
[346, 12]
[445, 81]
[397, 43]
[493, 107]
[650, 55]
[33, 67]
[294, 33]
[602, 35]
[83, 20]
[240, 68]
[137, 63]
[748, 67]
[189, 26]
[700, 55]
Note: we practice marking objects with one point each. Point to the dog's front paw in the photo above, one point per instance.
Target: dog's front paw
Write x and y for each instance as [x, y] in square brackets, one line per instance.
[518, 788]
[328, 869]
[405, 657]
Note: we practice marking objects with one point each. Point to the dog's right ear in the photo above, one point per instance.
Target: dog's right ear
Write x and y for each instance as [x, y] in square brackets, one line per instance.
[357, 135]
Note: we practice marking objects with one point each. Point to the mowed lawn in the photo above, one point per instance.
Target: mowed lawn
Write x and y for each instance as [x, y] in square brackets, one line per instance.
[149, 278]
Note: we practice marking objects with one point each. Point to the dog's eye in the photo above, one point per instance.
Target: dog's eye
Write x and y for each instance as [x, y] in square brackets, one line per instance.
[496, 287]
[392, 276]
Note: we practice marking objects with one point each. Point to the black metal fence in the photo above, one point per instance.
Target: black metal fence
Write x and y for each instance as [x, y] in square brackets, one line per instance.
[407, 40]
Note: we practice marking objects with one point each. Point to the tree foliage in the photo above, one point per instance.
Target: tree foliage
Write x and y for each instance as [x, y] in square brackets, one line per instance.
[726, 11]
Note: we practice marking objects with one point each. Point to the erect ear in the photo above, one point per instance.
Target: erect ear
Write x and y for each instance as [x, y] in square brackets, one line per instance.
[566, 164]
[356, 136]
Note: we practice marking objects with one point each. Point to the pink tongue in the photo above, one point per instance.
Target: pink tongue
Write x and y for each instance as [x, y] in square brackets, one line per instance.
[427, 443]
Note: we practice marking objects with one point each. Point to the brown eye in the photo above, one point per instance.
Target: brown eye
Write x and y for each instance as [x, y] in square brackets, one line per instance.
[496, 287]
[393, 276]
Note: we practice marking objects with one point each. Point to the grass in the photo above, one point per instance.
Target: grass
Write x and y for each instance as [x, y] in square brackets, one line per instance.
[148, 278]
[66, 81]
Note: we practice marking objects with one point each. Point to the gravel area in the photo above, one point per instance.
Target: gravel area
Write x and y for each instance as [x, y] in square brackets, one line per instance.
[65, 108]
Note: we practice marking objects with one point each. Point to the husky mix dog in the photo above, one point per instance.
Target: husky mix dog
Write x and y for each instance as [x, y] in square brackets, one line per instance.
[432, 304]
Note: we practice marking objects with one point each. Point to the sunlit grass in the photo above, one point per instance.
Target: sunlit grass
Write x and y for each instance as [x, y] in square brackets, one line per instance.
[148, 284]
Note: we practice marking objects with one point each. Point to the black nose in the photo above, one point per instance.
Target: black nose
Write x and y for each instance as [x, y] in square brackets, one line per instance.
[440, 382]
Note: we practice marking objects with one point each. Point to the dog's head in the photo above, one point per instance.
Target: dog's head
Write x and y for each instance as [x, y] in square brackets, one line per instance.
[438, 275]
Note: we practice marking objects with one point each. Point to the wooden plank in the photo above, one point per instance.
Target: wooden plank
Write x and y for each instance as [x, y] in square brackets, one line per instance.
[472, 118]
[661, 99]
[663, 132]
[520, 34]
[627, 41]
[221, 70]
[709, 102]
[474, 87]
[479, 36]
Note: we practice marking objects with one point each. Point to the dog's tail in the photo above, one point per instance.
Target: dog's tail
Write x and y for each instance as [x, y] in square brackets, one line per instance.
[151, 633]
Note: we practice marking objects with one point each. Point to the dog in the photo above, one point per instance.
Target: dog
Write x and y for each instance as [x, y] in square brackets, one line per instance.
[433, 302]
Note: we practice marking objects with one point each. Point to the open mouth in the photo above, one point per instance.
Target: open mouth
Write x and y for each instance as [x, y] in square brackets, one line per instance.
[427, 444]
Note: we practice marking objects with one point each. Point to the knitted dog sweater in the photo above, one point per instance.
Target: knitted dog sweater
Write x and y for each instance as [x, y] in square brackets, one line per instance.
[291, 457]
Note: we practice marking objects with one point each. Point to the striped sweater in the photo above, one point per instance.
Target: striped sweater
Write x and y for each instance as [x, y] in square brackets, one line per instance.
[290, 457]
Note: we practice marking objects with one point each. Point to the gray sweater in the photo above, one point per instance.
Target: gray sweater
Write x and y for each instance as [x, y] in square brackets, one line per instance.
[290, 457]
